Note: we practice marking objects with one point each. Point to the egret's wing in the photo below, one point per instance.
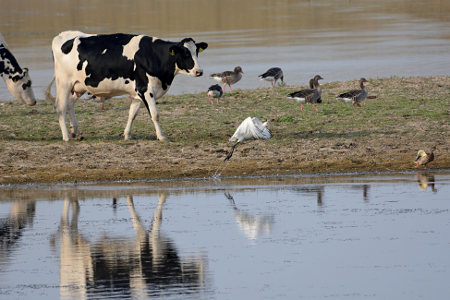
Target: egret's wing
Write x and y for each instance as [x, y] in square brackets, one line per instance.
[259, 130]
[251, 128]
[243, 132]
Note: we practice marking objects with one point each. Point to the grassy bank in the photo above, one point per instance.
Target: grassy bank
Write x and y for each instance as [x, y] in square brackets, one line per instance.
[407, 114]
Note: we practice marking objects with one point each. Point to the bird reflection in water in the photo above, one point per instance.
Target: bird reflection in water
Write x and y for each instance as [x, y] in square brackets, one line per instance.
[318, 190]
[425, 180]
[253, 226]
[365, 190]
[143, 267]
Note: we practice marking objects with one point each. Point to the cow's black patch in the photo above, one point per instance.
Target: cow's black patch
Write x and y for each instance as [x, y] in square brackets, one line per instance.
[127, 81]
[201, 46]
[26, 85]
[100, 64]
[67, 46]
[8, 68]
[154, 58]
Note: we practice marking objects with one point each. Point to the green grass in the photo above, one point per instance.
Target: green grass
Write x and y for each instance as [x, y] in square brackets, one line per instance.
[402, 105]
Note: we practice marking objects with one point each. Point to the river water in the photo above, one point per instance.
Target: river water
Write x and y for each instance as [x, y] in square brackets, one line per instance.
[353, 236]
[338, 39]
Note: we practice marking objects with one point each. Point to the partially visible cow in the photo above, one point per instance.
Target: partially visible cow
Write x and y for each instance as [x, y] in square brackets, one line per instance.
[17, 79]
[108, 65]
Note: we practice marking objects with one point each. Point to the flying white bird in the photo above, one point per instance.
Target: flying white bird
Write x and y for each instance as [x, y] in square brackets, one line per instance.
[250, 128]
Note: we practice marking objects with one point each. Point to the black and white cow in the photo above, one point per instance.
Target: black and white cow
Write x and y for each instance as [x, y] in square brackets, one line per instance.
[17, 79]
[108, 65]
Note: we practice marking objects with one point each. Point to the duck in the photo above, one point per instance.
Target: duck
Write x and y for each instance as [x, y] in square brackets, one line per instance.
[424, 158]
[228, 77]
[311, 95]
[214, 91]
[355, 96]
[250, 128]
[311, 86]
[272, 75]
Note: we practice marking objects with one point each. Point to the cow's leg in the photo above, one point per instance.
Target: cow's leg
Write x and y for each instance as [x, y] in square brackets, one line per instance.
[63, 95]
[134, 108]
[155, 117]
[73, 119]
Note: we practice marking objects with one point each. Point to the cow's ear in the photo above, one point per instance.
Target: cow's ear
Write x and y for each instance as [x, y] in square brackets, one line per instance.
[201, 46]
[174, 50]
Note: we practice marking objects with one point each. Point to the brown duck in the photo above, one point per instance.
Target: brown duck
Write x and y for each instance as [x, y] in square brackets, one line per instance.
[272, 75]
[228, 77]
[311, 95]
[355, 96]
[424, 158]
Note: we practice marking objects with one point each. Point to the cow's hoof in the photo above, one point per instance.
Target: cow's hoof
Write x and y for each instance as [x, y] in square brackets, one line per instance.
[77, 138]
[163, 139]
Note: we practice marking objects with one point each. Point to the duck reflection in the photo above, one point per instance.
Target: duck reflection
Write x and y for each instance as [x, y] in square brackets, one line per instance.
[425, 180]
[253, 226]
[365, 190]
[20, 215]
[146, 266]
[318, 190]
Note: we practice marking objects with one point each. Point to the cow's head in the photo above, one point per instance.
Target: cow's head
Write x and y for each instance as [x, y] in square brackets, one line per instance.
[186, 54]
[19, 84]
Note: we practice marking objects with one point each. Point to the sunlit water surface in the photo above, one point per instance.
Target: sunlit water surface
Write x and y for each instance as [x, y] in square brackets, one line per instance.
[338, 39]
[372, 236]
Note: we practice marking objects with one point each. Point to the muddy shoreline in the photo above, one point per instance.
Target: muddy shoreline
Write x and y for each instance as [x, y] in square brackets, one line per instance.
[73, 163]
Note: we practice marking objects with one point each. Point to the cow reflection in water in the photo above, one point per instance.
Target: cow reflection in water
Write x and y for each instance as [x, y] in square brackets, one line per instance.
[20, 216]
[425, 180]
[137, 268]
[252, 225]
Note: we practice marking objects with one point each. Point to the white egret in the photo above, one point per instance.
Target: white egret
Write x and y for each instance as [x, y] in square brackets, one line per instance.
[250, 128]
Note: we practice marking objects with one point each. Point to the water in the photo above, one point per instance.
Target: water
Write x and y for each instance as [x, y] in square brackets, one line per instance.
[338, 39]
[370, 236]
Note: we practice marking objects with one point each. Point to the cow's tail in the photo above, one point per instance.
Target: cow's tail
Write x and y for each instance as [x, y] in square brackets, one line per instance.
[48, 92]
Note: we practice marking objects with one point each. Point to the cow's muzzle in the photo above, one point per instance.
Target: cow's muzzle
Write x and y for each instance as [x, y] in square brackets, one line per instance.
[198, 73]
